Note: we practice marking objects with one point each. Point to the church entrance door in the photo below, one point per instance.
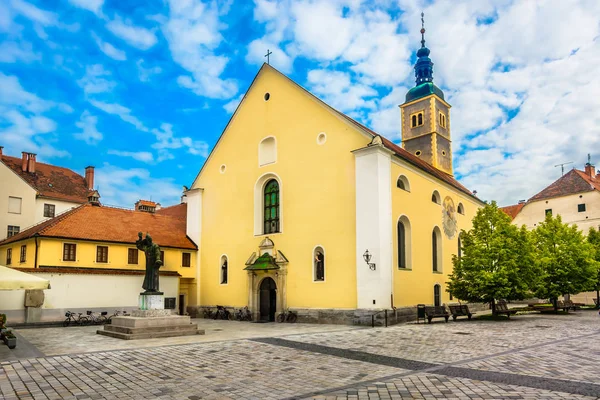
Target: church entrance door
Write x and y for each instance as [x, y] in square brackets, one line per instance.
[268, 300]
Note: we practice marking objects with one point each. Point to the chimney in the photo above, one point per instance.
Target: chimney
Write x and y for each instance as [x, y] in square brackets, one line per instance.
[89, 177]
[24, 157]
[1, 147]
[590, 170]
[146, 206]
[31, 167]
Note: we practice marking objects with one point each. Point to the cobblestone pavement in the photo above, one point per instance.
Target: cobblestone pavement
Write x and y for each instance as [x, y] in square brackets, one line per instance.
[528, 357]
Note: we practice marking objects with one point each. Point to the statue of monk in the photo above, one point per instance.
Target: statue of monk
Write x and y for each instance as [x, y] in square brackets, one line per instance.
[153, 262]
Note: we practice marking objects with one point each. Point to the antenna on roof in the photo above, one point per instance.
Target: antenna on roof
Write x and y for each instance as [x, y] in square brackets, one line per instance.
[562, 167]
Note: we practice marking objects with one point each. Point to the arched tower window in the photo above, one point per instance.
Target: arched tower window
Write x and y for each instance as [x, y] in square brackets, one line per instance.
[437, 295]
[461, 209]
[224, 270]
[436, 249]
[271, 205]
[420, 119]
[403, 237]
[436, 198]
[413, 121]
[402, 183]
[319, 263]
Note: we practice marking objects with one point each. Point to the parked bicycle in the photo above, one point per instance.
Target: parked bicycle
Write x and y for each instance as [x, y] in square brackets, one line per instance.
[222, 313]
[208, 313]
[243, 314]
[116, 314]
[75, 319]
[96, 319]
[287, 316]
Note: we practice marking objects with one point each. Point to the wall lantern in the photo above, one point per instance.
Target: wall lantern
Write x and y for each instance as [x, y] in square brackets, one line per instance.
[367, 256]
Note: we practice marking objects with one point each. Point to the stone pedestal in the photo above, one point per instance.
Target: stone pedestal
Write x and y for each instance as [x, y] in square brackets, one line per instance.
[148, 324]
[152, 301]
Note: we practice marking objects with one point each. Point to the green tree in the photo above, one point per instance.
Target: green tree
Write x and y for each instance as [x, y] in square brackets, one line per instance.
[565, 258]
[496, 260]
[594, 240]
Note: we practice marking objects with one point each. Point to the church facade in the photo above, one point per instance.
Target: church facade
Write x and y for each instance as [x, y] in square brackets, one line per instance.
[299, 206]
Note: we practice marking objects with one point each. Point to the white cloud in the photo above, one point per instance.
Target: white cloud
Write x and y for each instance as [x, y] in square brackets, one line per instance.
[145, 73]
[109, 49]
[166, 140]
[232, 105]
[337, 89]
[143, 156]
[94, 6]
[135, 36]
[21, 51]
[124, 186]
[257, 49]
[95, 80]
[193, 33]
[89, 133]
[13, 94]
[45, 18]
[122, 112]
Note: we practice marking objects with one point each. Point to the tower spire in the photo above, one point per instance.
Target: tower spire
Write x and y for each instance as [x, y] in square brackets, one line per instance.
[424, 66]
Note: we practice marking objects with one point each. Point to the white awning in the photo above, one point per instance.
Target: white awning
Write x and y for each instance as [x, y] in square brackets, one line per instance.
[11, 279]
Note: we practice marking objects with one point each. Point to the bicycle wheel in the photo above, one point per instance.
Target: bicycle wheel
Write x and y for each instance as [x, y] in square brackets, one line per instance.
[292, 317]
[67, 322]
[281, 317]
[84, 321]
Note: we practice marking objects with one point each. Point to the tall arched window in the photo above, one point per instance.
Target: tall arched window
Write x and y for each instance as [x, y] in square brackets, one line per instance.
[420, 119]
[461, 209]
[401, 245]
[436, 249]
[436, 198]
[271, 205]
[402, 183]
[437, 295]
[319, 264]
[414, 121]
[224, 270]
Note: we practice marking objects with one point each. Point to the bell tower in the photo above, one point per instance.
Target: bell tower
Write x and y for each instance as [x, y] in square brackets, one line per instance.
[425, 115]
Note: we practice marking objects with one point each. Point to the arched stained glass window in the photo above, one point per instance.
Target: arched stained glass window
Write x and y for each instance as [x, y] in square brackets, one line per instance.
[271, 205]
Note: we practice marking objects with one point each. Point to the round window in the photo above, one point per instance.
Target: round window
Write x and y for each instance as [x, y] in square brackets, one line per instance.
[443, 153]
[418, 153]
[321, 138]
[267, 96]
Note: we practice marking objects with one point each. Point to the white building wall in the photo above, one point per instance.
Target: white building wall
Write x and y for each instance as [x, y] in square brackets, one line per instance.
[60, 207]
[373, 226]
[11, 185]
[79, 293]
[194, 229]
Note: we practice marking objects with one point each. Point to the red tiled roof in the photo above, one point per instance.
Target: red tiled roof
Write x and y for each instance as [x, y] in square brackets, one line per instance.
[51, 181]
[107, 224]
[513, 210]
[148, 203]
[178, 211]
[573, 182]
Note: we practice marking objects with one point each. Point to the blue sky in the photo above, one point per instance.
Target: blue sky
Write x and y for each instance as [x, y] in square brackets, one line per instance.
[143, 89]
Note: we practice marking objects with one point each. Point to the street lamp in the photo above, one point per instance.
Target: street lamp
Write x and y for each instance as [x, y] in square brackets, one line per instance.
[367, 256]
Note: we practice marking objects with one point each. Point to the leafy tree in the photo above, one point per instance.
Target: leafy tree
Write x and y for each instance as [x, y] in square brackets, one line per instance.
[565, 258]
[496, 260]
[594, 240]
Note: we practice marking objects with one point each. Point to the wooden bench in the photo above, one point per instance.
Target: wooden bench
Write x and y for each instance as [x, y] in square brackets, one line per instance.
[460, 310]
[502, 308]
[432, 312]
[572, 306]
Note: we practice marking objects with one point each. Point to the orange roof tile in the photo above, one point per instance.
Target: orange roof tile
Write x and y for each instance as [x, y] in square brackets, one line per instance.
[573, 182]
[178, 211]
[513, 210]
[51, 181]
[108, 224]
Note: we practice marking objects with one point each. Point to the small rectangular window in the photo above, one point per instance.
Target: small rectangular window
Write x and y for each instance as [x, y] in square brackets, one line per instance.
[102, 254]
[49, 210]
[185, 259]
[8, 256]
[581, 207]
[12, 230]
[69, 251]
[132, 256]
[23, 253]
[548, 212]
[14, 205]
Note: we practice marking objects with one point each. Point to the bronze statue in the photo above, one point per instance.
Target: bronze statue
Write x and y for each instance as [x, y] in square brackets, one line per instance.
[153, 263]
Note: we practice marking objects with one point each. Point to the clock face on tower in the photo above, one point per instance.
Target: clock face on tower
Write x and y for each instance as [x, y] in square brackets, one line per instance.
[449, 217]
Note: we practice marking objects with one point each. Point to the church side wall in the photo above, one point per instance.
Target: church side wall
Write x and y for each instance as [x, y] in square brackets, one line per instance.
[317, 198]
[415, 284]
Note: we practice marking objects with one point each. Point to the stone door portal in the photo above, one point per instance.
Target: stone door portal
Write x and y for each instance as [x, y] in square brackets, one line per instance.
[268, 300]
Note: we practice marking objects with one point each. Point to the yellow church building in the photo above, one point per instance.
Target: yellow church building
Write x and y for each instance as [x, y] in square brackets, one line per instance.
[299, 206]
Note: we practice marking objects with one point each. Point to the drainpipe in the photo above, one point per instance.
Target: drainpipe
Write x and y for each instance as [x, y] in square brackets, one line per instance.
[35, 265]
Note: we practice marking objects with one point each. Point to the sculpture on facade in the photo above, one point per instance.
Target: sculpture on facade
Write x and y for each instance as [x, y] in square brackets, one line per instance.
[153, 263]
